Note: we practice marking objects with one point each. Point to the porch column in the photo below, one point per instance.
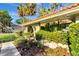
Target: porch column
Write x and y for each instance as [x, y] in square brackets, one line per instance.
[37, 27]
[26, 29]
[77, 19]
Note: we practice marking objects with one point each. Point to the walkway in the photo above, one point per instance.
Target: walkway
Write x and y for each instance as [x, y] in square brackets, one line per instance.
[8, 49]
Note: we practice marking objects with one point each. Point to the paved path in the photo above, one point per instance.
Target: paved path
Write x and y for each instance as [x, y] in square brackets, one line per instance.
[8, 49]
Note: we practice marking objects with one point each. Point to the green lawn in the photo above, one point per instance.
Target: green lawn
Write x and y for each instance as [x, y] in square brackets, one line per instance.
[7, 37]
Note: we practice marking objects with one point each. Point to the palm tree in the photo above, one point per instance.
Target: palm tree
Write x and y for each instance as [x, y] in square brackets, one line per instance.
[61, 5]
[54, 6]
[27, 9]
[43, 11]
[21, 10]
[50, 7]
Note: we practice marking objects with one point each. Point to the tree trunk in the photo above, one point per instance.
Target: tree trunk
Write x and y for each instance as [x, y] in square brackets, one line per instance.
[50, 7]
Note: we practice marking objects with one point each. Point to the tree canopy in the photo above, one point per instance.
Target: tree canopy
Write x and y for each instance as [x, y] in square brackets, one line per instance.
[22, 20]
[27, 9]
[5, 19]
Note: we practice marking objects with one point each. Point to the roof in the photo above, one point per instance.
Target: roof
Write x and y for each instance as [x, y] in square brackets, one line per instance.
[72, 8]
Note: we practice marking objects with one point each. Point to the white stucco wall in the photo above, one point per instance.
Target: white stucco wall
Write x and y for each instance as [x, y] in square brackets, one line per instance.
[26, 29]
[37, 28]
[77, 19]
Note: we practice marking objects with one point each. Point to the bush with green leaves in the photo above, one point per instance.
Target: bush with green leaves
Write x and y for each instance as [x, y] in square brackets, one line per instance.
[22, 34]
[56, 36]
[21, 37]
[74, 38]
[7, 37]
[19, 41]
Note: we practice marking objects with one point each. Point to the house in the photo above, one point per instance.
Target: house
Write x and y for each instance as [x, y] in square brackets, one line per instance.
[67, 14]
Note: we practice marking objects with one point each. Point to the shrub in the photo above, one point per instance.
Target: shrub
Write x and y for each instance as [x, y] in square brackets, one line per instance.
[22, 34]
[39, 45]
[74, 38]
[7, 37]
[21, 38]
[19, 41]
[56, 36]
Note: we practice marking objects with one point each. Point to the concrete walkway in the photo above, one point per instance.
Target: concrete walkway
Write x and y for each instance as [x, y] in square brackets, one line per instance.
[8, 49]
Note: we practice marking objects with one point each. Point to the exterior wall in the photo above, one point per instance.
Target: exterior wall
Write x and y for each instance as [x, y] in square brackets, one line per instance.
[77, 19]
[37, 28]
[26, 29]
[42, 24]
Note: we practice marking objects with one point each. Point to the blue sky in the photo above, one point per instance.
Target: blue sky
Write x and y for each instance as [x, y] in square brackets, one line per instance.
[12, 9]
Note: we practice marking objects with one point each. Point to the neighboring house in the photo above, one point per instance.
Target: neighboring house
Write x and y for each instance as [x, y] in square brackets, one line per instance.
[66, 15]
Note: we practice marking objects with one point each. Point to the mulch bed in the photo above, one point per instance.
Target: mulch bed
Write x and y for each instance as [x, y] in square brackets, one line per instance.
[33, 50]
[30, 50]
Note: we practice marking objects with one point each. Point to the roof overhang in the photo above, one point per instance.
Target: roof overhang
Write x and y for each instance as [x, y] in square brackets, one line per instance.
[67, 12]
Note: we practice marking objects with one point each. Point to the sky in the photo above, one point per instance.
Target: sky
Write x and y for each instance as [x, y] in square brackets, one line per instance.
[12, 10]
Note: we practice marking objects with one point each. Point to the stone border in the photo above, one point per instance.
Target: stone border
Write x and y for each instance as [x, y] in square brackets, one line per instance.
[54, 45]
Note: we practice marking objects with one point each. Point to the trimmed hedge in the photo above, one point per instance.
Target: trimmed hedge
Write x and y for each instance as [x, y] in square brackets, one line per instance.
[56, 36]
[7, 37]
[74, 38]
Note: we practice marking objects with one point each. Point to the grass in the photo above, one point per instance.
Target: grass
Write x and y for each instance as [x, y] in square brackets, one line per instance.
[7, 37]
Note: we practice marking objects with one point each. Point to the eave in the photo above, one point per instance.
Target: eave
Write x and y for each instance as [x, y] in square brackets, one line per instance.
[65, 11]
